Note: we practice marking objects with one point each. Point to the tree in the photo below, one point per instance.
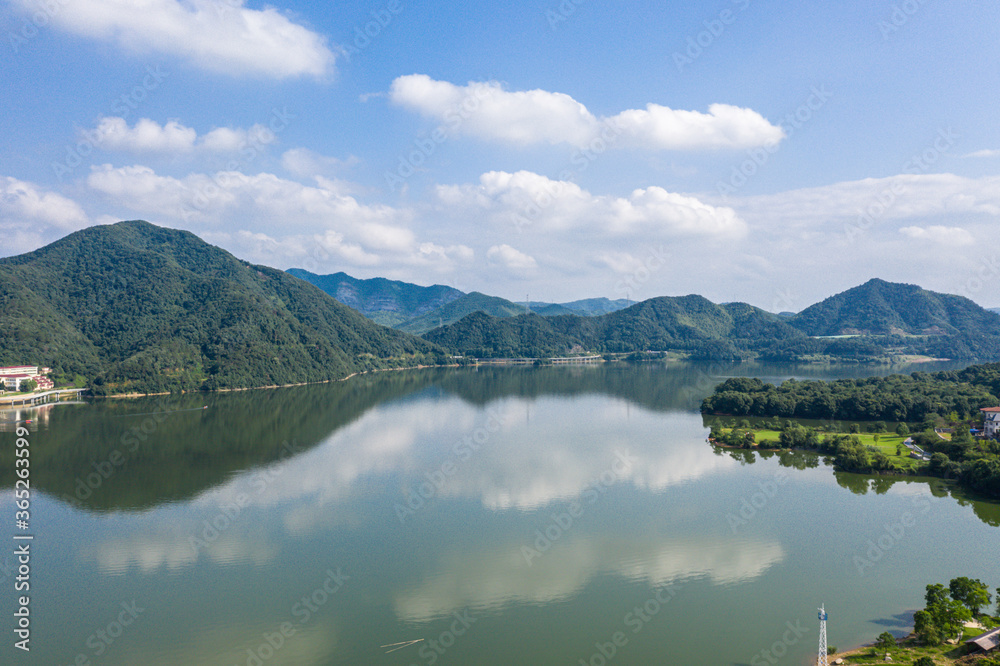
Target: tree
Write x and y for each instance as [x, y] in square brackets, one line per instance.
[971, 592]
[902, 430]
[935, 594]
[29, 385]
[950, 616]
[885, 641]
[924, 661]
[924, 626]
[939, 462]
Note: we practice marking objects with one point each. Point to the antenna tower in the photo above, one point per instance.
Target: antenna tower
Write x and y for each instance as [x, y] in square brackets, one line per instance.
[822, 660]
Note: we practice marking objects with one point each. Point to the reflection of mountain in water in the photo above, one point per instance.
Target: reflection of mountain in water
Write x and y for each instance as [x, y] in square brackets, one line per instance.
[168, 449]
[137, 454]
[167, 452]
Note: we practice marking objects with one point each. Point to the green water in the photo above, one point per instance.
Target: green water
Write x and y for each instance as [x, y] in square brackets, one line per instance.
[504, 516]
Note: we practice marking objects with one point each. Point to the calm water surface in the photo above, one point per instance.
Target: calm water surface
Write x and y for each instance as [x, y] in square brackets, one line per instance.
[504, 516]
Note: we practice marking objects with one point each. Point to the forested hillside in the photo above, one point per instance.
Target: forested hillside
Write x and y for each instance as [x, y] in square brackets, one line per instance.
[136, 307]
[387, 302]
[689, 323]
[898, 320]
[452, 312]
[885, 308]
[483, 336]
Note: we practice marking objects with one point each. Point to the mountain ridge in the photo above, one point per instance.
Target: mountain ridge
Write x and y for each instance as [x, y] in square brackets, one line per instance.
[878, 307]
[416, 309]
[387, 302]
[691, 323]
[141, 308]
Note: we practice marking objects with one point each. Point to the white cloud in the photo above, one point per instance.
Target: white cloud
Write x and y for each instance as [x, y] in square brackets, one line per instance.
[528, 200]
[322, 222]
[724, 126]
[24, 205]
[305, 163]
[511, 259]
[148, 136]
[217, 35]
[114, 134]
[895, 197]
[986, 152]
[488, 111]
[940, 235]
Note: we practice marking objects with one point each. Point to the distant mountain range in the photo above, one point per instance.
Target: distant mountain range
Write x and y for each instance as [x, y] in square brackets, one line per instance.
[686, 323]
[415, 309]
[388, 302]
[132, 307]
[136, 307]
[868, 322]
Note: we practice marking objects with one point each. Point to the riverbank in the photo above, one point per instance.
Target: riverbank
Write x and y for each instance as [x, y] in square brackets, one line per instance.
[909, 649]
[277, 386]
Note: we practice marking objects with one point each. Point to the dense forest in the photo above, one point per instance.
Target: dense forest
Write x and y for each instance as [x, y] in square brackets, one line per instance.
[911, 398]
[133, 307]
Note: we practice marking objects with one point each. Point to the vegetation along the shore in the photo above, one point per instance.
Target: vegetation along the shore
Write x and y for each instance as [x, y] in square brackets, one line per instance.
[922, 424]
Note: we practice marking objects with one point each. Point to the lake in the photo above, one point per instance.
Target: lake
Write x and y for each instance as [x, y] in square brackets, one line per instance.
[558, 515]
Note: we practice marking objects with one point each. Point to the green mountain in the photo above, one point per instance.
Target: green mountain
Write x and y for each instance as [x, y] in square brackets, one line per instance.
[485, 336]
[459, 308]
[136, 307]
[886, 308]
[388, 302]
[552, 309]
[501, 307]
[403, 305]
[591, 307]
[587, 307]
[690, 323]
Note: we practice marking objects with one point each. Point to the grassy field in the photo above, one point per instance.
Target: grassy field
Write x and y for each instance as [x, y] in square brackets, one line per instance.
[887, 443]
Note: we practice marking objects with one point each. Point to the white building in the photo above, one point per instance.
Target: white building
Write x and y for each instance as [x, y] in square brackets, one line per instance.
[30, 370]
[12, 376]
[13, 382]
[991, 421]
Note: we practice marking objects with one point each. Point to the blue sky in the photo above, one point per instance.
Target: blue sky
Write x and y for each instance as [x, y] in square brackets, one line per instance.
[773, 153]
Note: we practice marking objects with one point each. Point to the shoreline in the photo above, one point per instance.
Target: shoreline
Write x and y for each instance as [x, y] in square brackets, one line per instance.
[116, 396]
